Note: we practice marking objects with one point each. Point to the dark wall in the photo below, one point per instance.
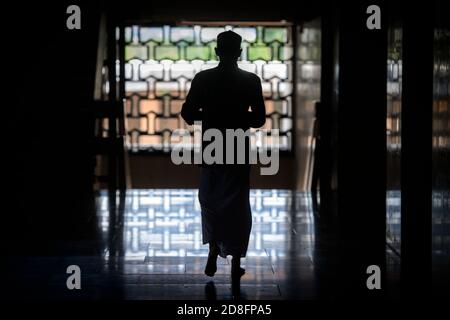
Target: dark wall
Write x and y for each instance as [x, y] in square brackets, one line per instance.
[50, 74]
[231, 10]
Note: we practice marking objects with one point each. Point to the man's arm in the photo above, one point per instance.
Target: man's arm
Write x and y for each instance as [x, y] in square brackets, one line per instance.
[190, 110]
[257, 117]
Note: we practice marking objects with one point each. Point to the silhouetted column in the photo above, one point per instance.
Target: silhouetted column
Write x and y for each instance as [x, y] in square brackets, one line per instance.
[416, 151]
[361, 166]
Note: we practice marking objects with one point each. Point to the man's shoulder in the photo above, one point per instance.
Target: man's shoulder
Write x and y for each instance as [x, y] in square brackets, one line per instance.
[208, 74]
[205, 73]
[250, 76]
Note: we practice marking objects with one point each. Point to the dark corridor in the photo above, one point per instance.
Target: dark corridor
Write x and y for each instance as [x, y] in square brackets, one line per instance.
[364, 153]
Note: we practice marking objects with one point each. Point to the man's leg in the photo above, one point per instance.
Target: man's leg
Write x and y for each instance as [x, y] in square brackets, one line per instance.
[236, 273]
[211, 264]
[236, 270]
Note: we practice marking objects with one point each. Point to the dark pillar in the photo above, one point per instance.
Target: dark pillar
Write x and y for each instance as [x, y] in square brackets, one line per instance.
[416, 164]
[361, 148]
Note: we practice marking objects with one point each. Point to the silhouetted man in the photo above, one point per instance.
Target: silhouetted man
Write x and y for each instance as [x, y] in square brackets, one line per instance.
[221, 98]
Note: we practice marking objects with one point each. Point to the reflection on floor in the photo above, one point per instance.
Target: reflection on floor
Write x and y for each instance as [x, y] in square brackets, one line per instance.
[441, 241]
[163, 257]
[393, 219]
[154, 250]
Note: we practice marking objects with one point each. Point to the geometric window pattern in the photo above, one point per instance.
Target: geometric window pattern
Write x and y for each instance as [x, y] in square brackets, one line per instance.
[394, 89]
[161, 61]
[393, 135]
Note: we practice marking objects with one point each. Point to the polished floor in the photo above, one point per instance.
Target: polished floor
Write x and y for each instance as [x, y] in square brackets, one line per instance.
[163, 257]
[152, 249]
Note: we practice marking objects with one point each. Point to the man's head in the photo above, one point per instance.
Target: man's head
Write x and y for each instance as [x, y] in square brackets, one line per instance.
[228, 45]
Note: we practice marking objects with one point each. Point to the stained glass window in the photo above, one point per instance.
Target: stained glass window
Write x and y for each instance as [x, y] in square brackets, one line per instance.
[161, 61]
